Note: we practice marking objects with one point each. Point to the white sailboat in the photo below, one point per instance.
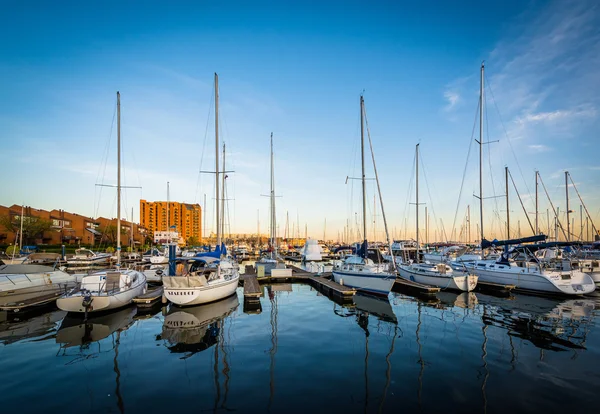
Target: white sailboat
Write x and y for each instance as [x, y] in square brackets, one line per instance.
[207, 278]
[108, 289]
[272, 261]
[358, 271]
[440, 275]
[312, 258]
[530, 275]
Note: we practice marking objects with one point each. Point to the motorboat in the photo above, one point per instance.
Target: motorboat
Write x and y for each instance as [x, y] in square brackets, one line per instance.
[87, 257]
[19, 283]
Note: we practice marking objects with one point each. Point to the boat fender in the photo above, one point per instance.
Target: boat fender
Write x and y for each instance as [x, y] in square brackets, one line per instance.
[159, 272]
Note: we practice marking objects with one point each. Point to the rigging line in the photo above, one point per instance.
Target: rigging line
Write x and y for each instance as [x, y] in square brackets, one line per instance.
[552, 205]
[429, 194]
[489, 86]
[409, 190]
[521, 201]
[105, 160]
[465, 169]
[487, 131]
[210, 104]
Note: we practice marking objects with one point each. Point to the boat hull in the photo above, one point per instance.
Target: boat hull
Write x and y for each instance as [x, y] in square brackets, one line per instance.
[101, 303]
[378, 284]
[578, 283]
[462, 282]
[197, 295]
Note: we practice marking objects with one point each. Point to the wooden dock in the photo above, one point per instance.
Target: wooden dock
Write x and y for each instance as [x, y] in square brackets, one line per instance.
[415, 287]
[253, 291]
[150, 298]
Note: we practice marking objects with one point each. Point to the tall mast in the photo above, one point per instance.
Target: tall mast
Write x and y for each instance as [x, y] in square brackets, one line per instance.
[568, 211]
[362, 154]
[507, 210]
[118, 179]
[481, 153]
[21, 232]
[131, 230]
[223, 176]
[217, 159]
[469, 223]
[417, 197]
[168, 215]
[273, 234]
[537, 229]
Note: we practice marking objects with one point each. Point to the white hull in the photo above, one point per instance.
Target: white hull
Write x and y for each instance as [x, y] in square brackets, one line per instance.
[317, 267]
[552, 282]
[73, 302]
[197, 295]
[19, 287]
[463, 282]
[88, 262]
[378, 283]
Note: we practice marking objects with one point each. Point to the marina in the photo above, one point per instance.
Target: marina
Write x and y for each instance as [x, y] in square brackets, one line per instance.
[299, 207]
[476, 352]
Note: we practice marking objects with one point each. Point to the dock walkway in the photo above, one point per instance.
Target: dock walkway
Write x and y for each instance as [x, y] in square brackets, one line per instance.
[149, 298]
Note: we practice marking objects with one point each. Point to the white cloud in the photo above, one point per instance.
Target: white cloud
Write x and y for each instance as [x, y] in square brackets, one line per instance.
[453, 98]
[539, 148]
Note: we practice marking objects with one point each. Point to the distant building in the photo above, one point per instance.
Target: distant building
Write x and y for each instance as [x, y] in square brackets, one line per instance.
[183, 219]
[162, 237]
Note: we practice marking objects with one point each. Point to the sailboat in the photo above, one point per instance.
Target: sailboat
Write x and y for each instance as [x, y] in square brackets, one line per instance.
[358, 271]
[440, 274]
[531, 274]
[108, 289]
[211, 276]
[272, 261]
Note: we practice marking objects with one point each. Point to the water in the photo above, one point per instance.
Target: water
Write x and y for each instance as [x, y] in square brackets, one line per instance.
[304, 353]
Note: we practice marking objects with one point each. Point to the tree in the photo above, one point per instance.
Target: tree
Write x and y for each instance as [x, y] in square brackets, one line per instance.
[33, 227]
[110, 234]
[193, 241]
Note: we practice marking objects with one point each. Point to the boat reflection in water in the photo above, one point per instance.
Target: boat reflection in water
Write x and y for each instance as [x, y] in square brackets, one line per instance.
[75, 331]
[549, 324]
[14, 329]
[196, 328]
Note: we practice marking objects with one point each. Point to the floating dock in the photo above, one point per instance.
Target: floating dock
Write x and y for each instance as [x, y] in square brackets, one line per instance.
[150, 298]
[253, 291]
[494, 287]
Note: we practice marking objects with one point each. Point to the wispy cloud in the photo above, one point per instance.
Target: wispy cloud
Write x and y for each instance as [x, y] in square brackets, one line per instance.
[539, 148]
[452, 97]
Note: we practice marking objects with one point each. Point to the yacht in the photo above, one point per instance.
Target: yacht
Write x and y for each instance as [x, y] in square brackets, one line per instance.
[87, 257]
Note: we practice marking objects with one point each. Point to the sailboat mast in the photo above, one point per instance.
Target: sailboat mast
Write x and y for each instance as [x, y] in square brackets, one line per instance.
[168, 215]
[223, 195]
[273, 233]
[507, 210]
[568, 211]
[537, 229]
[21, 232]
[362, 154]
[118, 179]
[417, 198]
[217, 159]
[481, 154]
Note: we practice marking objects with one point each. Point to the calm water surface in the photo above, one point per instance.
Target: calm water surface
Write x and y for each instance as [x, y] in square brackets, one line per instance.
[301, 352]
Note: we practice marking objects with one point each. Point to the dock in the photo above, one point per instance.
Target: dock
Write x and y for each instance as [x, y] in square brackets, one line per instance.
[415, 287]
[150, 298]
[253, 290]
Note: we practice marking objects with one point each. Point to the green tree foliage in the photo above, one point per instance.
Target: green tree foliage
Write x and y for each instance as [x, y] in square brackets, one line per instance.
[193, 241]
[33, 227]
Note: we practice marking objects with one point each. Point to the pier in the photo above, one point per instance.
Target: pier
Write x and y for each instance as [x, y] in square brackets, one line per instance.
[418, 288]
[150, 298]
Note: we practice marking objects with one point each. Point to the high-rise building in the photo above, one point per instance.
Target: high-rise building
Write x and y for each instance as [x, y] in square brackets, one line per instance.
[183, 218]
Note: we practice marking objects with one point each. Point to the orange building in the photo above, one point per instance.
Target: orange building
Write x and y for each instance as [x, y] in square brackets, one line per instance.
[183, 218]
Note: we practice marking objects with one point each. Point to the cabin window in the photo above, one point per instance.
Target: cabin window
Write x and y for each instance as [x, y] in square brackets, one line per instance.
[492, 266]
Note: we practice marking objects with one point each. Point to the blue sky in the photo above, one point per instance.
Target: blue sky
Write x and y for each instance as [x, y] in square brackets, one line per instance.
[298, 69]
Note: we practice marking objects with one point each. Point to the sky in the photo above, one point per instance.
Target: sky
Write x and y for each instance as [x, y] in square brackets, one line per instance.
[297, 69]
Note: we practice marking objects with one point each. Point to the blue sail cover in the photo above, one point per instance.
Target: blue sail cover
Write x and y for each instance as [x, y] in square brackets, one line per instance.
[486, 243]
[217, 253]
[362, 250]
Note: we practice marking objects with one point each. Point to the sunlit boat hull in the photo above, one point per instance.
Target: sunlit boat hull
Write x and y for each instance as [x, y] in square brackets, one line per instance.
[197, 295]
[374, 283]
[463, 282]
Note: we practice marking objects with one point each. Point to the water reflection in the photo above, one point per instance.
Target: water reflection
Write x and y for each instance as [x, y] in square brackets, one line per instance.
[74, 331]
[17, 328]
[549, 324]
[194, 329]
